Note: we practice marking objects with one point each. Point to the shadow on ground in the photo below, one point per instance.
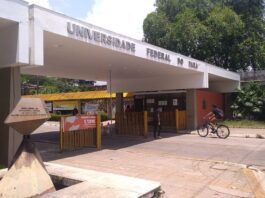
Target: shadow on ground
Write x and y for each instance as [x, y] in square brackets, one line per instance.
[48, 144]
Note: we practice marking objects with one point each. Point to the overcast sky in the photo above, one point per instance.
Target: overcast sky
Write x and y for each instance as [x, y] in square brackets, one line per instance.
[121, 16]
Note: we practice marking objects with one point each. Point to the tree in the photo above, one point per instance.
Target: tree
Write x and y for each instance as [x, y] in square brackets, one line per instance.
[247, 8]
[250, 102]
[227, 33]
[156, 28]
[187, 35]
[225, 28]
[171, 8]
[252, 14]
[32, 84]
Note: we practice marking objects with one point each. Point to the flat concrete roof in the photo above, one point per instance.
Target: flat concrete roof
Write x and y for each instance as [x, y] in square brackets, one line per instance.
[62, 46]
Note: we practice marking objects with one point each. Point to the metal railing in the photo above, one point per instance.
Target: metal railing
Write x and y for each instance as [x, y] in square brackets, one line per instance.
[258, 75]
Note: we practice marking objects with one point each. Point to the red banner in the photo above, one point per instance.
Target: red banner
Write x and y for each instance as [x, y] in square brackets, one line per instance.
[74, 123]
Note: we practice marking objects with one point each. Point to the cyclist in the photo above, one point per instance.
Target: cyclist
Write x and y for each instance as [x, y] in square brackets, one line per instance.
[213, 116]
[211, 123]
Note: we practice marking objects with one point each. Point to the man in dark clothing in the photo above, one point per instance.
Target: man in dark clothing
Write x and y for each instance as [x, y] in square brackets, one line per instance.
[219, 114]
[156, 123]
[75, 111]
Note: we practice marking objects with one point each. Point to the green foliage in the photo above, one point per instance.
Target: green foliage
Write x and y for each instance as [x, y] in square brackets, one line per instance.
[55, 117]
[245, 124]
[250, 102]
[227, 33]
[253, 42]
[172, 8]
[104, 117]
[47, 85]
[247, 8]
[224, 30]
[1, 166]
[187, 34]
[156, 27]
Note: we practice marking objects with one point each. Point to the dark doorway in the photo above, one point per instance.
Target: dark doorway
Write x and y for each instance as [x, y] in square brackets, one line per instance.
[139, 104]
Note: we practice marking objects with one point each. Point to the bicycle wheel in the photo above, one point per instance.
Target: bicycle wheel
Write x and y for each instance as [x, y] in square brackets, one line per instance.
[203, 130]
[223, 131]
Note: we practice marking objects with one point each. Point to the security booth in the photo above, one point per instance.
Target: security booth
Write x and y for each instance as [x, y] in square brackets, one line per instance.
[171, 105]
[39, 41]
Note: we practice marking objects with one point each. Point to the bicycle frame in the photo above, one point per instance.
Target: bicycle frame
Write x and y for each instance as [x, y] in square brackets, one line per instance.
[210, 125]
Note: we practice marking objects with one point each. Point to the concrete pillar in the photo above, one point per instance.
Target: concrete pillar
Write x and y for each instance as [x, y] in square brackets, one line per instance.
[191, 109]
[10, 94]
[119, 102]
[228, 113]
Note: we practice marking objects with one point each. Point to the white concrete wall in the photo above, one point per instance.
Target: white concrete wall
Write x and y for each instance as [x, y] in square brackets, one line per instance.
[153, 84]
[224, 86]
[222, 72]
[36, 38]
[14, 39]
[9, 44]
[46, 20]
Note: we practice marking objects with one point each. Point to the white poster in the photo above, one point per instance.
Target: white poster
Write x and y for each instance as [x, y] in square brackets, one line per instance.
[162, 103]
[150, 101]
[49, 106]
[90, 108]
[175, 102]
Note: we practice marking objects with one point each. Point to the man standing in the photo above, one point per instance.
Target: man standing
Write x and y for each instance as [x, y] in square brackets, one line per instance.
[75, 111]
[157, 123]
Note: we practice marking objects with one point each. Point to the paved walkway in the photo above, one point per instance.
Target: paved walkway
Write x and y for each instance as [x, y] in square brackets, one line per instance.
[179, 177]
[241, 132]
[171, 162]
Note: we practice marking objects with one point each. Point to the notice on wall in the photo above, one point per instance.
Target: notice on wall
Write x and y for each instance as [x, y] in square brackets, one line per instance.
[89, 107]
[49, 106]
[150, 101]
[74, 123]
[162, 103]
[175, 102]
[64, 105]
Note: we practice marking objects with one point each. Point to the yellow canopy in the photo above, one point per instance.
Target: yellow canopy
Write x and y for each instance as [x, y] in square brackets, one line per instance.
[76, 96]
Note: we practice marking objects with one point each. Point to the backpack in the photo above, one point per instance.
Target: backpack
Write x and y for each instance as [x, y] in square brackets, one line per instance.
[219, 113]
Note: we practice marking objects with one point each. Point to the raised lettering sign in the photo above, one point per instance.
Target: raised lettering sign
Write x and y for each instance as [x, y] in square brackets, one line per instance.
[92, 35]
[180, 61]
[157, 55]
[193, 65]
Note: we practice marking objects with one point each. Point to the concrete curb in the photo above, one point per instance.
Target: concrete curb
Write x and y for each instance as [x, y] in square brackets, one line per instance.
[254, 175]
[256, 180]
[261, 179]
[257, 136]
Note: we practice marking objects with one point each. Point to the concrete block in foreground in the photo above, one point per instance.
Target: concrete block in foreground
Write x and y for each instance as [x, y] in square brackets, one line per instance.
[99, 184]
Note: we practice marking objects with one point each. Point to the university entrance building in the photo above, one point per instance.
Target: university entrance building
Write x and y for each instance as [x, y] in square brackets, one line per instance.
[38, 41]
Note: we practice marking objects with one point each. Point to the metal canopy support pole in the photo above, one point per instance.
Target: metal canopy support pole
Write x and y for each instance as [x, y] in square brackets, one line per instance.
[110, 88]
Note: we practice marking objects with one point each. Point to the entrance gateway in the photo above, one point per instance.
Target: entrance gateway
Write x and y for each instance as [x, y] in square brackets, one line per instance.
[39, 41]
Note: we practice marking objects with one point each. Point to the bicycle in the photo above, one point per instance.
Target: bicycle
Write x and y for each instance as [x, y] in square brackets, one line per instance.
[221, 130]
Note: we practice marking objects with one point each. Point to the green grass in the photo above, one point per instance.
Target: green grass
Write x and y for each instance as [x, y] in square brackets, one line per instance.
[1, 166]
[245, 124]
